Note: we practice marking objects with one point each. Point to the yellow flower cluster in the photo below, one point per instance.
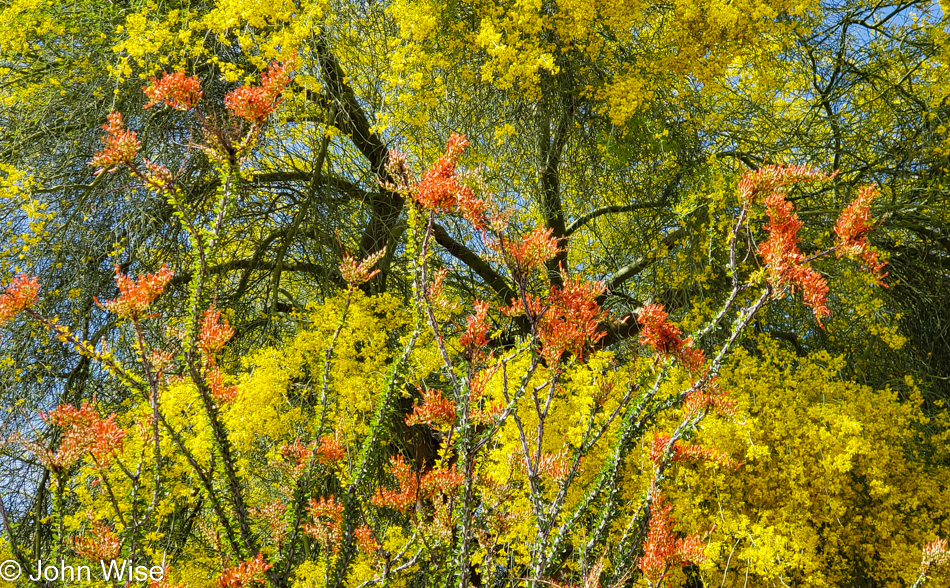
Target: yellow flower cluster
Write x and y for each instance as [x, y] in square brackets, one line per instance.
[836, 475]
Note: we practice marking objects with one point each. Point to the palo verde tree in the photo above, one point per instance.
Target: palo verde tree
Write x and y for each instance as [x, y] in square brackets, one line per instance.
[613, 133]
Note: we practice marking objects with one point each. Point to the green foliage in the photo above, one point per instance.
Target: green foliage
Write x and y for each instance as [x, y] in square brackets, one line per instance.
[611, 133]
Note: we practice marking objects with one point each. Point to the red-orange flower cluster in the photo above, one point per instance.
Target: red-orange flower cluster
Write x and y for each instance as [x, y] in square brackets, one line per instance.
[244, 574]
[83, 431]
[534, 250]
[22, 293]
[220, 391]
[121, 145]
[160, 361]
[481, 410]
[434, 411]
[329, 450]
[663, 549]
[404, 497]
[487, 415]
[177, 90]
[683, 452]
[553, 466]
[297, 454]
[365, 541]
[852, 230]
[476, 334]
[102, 545]
[402, 179]
[328, 519]
[159, 176]
[664, 336]
[783, 259]
[256, 103]
[272, 517]
[439, 186]
[569, 318]
[136, 296]
[356, 274]
[440, 190]
[412, 489]
[771, 178]
[440, 482]
[709, 397]
[936, 554]
[214, 333]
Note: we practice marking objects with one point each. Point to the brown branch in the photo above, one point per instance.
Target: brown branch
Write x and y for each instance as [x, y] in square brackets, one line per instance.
[579, 223]
[482, 268]
[350, 118]
[641, 263]
[550, 149]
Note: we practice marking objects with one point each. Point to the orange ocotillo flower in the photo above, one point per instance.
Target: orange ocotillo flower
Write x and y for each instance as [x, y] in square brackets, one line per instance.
[533, 250]
[22, 293]
[412, 488]
[328, 519]
[220, 391]
[177, 90]
[135, 296]
[215, 333]
[663, 549]
[683, 452]
[101, 543]
[256, 103]
[365, 540]
[245, 574]
[121, 145]
[935, 554]
[664, 336]
[330, 450]
[355, 273]
[769, 178]
[440, 189]
[568, 320]
[84, 431]
[476, 334]
[852, 229]
[785, 262]
[434, 411]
